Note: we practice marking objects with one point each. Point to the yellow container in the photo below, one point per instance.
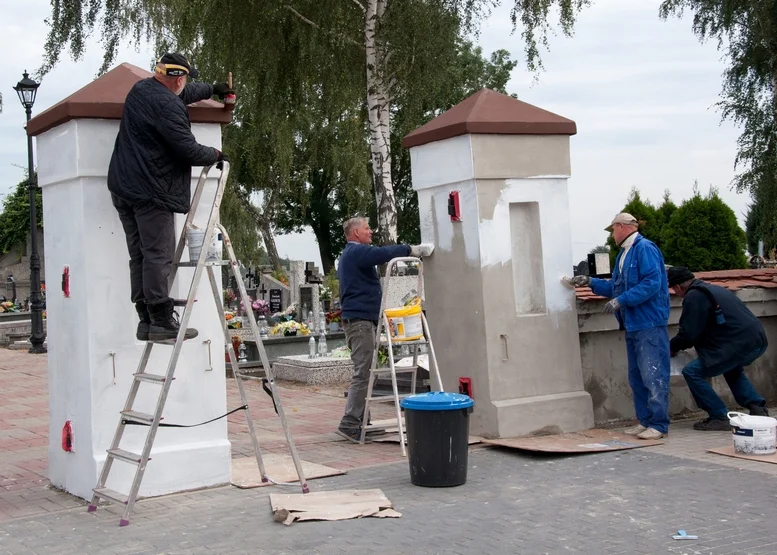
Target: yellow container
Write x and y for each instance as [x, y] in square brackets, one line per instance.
[405, 323]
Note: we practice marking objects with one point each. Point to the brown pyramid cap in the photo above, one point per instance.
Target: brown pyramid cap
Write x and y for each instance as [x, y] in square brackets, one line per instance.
[104, 98]
[488, 112]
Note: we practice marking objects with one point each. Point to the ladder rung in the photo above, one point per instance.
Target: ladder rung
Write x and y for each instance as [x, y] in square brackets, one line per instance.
[386, 398]
[397, 343]
[110, 495]
[194, 264]
[152, 378]
[181, 302]
[136, 416]
[125, 456]
[397, 370]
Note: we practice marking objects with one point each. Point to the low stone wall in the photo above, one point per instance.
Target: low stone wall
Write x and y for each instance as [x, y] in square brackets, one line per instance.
[313, 371]
[15, 323]
[603, 353]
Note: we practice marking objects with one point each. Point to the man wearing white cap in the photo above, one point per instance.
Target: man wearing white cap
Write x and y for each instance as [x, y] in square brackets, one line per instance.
[640, 303]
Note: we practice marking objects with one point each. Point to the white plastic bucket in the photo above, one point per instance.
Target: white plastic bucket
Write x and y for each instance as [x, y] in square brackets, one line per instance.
[753, 435]
[195, 238]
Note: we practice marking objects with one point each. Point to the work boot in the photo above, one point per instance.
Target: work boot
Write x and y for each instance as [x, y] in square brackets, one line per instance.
[164, 322]
[713, 425]
[145, 321]
[758, 410]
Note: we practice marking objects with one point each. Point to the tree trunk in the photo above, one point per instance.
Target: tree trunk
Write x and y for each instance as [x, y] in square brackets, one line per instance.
[269, 244]
[262, 221]
[378, 105]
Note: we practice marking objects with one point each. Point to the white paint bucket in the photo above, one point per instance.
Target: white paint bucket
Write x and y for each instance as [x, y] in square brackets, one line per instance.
[753, 435]
[194, 239]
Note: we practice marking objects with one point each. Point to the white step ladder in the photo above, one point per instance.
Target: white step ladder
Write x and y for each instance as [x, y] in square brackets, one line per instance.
[130, 416]
[383, 338]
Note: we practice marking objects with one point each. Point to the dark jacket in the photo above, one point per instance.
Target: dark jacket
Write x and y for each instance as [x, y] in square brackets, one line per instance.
[360, 291]
[645, 294]
[155, 148]
[718, 345]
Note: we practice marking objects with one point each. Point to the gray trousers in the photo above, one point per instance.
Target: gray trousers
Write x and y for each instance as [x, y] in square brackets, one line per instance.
[150, 234]
[360, 336]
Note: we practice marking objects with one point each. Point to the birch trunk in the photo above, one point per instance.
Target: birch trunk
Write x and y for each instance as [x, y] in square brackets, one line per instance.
[262, 221]
[378, 105]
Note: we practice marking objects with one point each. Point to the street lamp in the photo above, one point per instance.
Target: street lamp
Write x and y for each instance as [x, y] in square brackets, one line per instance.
[27, 89]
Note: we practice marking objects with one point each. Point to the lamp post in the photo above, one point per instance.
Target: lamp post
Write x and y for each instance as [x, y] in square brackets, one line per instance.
[27, 90]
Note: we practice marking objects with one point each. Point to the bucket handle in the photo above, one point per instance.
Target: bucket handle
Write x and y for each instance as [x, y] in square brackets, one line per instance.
[733, 414]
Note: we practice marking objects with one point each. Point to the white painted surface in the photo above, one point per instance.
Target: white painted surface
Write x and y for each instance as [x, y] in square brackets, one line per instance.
[83, 232]
[442, 162]
[495, 243]
[436, 225]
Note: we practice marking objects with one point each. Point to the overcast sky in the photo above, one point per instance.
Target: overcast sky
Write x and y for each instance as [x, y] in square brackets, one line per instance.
[641, 90]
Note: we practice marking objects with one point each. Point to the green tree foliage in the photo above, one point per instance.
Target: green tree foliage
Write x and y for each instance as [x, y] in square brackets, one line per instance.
[755, 229]
[15, 218]
[243, 232]
[703, 234]
[600, 249]
[467, 73]
[746, 31]
[384, 48]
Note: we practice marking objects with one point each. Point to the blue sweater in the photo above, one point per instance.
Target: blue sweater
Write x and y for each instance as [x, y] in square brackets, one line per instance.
[360, 291]
[644, 297]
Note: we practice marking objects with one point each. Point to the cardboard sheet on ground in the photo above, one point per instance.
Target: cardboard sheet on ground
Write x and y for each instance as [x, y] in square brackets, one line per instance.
[589, 441]
[245, 472]
[331, 505]
[729, 452]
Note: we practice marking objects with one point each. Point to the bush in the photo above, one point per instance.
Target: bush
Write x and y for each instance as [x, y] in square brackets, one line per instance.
[703, 234]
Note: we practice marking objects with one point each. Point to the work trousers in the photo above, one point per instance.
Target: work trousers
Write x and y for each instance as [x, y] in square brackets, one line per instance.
[150, 234]
[648, 353]
[697, 377]
[360, 336]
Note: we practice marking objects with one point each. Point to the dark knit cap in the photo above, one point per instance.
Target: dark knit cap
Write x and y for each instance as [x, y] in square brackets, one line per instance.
[678, 274]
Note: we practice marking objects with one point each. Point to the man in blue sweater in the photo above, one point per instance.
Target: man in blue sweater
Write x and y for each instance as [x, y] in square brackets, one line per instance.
[640, 302]
[360, 296]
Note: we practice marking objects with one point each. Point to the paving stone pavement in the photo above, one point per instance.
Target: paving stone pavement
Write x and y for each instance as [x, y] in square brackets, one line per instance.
[612, 503]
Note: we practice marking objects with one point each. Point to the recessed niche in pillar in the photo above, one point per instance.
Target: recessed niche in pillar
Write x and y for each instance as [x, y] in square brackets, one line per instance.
[528, 274]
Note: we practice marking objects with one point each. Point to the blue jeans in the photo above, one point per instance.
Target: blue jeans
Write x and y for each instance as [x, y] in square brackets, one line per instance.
[648, 352]
[696, 376]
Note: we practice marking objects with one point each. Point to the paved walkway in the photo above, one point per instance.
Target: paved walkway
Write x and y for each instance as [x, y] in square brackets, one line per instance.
[313, 414]
[628, 502]
[623, 502]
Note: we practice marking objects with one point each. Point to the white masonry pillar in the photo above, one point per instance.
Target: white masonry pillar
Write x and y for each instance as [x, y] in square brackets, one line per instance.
[496, 307]
[92, 348]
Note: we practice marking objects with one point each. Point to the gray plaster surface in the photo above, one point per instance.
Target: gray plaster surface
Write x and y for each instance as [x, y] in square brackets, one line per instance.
[623, 502]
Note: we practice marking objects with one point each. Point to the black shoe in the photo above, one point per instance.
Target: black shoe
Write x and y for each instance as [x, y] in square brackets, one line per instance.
[758, 410]
[353, 435]
[164, 323]
[713, 425]
[145, 321]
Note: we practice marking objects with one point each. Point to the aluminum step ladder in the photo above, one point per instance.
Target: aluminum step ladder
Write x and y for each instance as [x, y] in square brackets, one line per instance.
[383, 339]
[130, 416]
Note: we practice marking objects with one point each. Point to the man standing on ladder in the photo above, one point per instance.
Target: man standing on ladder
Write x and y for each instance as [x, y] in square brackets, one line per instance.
[150, 179]
[360, 296]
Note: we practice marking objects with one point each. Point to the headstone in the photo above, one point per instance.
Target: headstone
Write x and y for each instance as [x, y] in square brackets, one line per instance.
[275, 301]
